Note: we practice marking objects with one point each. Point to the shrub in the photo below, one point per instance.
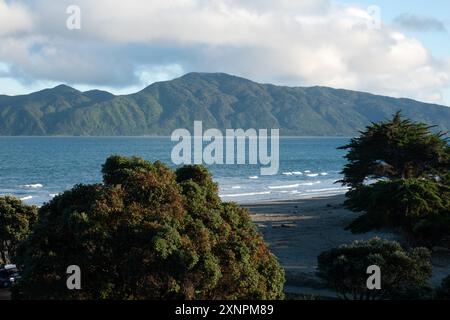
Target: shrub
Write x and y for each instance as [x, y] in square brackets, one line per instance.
[404, 274]
[148, 233]
[443, 292]
[418, 207]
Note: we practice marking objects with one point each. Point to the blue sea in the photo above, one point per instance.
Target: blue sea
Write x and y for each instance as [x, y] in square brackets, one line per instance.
[35, 169]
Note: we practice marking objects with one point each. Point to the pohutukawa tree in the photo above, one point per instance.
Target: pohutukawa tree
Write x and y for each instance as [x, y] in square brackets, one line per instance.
[16, 221]
[147, 232]
[398, 174]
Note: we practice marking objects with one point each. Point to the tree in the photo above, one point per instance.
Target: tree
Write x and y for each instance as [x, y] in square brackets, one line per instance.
[396, 149]
[398, 174]
[16, 221]
[404, 274]
[147, 232]
[397, 203]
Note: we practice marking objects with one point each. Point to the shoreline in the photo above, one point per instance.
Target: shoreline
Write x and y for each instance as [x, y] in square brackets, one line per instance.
[297, 231]
[299, 197]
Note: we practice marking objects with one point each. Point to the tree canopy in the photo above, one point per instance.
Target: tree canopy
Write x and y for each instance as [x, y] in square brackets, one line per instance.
[147, 232]
[396, 149]
[16, 220]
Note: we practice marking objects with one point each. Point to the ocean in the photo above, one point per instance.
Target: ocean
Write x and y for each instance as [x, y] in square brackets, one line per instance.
[35, 169]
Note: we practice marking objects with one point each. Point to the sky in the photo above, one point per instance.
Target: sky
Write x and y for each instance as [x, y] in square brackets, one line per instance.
[397, 48]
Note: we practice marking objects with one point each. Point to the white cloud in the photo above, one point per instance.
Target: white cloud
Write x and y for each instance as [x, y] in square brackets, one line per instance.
[288, 42]
[13, 18]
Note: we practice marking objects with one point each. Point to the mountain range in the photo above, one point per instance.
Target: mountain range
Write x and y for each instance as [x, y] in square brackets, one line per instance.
[219, 100]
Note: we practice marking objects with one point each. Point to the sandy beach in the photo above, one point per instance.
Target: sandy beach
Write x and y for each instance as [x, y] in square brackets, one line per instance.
[298, 231]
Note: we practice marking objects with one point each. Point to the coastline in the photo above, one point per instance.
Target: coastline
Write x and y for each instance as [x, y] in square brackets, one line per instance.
[297, 231]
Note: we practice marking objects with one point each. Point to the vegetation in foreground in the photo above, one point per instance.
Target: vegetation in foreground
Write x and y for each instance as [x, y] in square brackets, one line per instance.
[405, 273]
[443, 292]
[147, 232]
[16, 222]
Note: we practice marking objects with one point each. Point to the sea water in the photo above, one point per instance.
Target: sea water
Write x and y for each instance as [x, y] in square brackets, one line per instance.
[35, 169]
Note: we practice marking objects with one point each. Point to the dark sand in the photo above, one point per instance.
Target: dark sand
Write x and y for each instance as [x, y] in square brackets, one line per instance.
[298, 231]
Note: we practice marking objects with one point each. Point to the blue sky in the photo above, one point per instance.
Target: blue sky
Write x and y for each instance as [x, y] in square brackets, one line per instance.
[124, 46]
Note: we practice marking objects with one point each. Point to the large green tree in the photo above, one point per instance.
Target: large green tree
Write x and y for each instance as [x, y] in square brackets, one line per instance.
[398, 174]
[396, 149]
[16, 221]
[147, 232]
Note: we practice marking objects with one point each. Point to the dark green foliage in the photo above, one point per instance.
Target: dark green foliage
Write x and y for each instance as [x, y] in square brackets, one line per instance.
[398, 203]
[396, 149]
[431, 231]
[404, 274]
[148, 233]
[408, 168]
[118, 169]
[219, 100]
[16, 221]
[443, 292]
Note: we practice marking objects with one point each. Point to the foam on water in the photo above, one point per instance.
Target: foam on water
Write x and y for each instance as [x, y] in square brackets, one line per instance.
[33, 186]
[285, 187]
[312, 175]
[310, 183]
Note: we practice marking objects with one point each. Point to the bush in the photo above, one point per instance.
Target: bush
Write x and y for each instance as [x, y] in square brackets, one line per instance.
[443, 292]
[419, 207]
[404, 274]
[16, 220]
[148, 233]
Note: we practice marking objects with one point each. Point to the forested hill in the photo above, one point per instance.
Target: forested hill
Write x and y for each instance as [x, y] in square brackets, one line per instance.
[219, 100]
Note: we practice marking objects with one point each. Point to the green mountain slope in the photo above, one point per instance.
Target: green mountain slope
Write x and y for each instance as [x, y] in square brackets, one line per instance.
[219, 100]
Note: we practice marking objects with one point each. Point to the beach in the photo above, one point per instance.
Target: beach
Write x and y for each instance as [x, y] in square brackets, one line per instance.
[297, 231]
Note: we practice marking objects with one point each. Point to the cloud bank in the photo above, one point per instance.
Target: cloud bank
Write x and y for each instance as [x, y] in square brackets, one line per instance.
[290, 42]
